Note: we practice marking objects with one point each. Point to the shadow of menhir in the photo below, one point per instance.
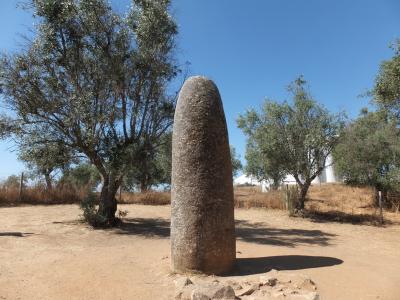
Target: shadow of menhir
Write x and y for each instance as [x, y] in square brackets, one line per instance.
[258, 265]
[252, 233]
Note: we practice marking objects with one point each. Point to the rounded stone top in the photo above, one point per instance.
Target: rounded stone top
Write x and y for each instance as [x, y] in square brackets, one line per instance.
[196, 84]
[199, 96]
[198, 78]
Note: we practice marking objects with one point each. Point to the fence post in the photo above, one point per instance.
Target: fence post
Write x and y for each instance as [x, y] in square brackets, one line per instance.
[380, 206]
[21, 187]
[287, 197]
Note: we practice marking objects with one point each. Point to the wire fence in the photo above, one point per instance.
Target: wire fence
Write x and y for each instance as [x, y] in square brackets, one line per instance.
[393, 200]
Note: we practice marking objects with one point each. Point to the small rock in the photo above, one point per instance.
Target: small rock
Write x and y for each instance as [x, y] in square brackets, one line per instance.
[183, 288]
[308, 285]
[213, 291]
[182, 282]
[270, 278]
[307, 296]
[249, 290]
[185, 293]
[199, 296]
[235, 285]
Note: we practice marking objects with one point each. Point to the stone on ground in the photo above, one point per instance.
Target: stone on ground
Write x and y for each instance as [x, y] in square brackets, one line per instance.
[271, 285]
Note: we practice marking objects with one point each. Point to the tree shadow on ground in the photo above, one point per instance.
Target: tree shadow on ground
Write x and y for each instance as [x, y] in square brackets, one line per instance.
[342, 217]
[246, 231]
[16, 234]
[69, 222]
[258, 265]
[147, 227]
[259, 233]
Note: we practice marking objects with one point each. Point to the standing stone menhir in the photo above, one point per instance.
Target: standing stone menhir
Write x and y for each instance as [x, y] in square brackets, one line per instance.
[202, 219]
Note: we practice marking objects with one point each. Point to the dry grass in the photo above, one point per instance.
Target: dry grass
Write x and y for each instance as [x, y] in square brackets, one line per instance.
[40, 196]
[326, 202]
[343, 197]
[147, 198]
[346, 204]
[247, 197]
[335, 200]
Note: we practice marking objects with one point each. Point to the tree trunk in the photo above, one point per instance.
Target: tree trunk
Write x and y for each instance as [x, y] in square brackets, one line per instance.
[48, 181]
[143, 186]
[108, 202]
[302, 195]
[144, 183]
[376, 196]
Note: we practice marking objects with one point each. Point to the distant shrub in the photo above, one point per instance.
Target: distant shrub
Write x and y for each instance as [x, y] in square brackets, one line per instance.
[89, 208]
[122, 213]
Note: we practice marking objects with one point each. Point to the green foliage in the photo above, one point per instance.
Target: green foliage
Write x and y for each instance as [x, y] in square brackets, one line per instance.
[369, 152]
[154, 167]
[292, 138]
[44, 159]
[90, 214]
[369, 148]
[13, 182]
[386, 92]
[6, 127]
[122, 213]
[83, 175]
[164, 159]
[236, 163]
[261, 166]
[95, 82]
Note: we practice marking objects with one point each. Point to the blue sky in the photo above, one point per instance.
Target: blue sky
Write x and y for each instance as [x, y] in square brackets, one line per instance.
[253, 49]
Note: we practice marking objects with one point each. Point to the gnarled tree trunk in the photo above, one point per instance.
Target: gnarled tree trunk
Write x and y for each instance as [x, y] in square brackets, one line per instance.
[302, 194]
[108, 201]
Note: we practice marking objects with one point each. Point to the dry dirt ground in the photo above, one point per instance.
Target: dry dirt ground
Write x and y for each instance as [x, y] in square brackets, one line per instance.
[46, 253]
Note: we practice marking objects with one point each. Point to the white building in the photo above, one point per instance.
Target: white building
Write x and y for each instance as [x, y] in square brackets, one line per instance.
[327, 176]
[246, 180]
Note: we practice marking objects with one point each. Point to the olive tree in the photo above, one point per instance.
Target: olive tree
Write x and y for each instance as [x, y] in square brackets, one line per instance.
[386, 91]
[81, 175]
[96, 82]
[262, 167]
[44, 159]
[235, 160]
[296, 138]
[369, 152]
[155, 166]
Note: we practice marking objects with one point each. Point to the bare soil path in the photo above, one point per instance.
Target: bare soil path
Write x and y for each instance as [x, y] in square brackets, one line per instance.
[46, 253]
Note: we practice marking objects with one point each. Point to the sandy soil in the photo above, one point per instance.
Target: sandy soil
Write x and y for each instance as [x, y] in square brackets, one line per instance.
[46, 253]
